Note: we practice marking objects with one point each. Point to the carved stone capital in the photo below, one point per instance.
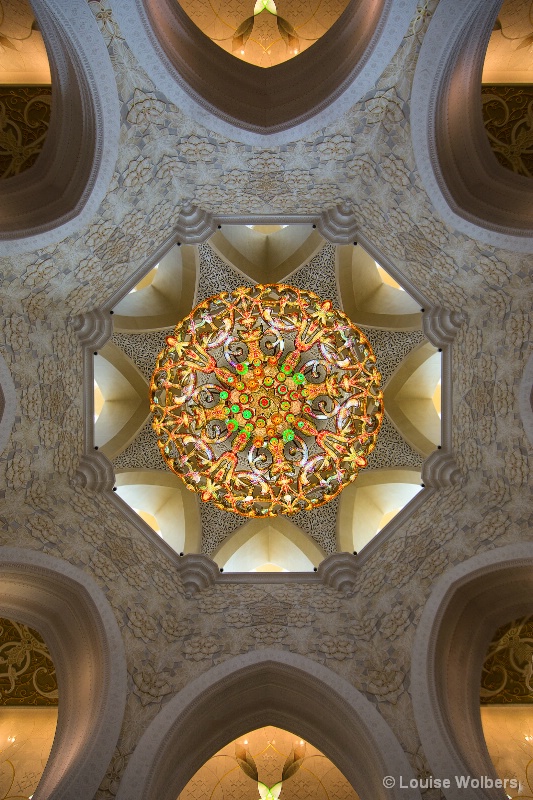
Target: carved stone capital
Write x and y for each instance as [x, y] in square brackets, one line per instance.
[197, 572]
[340, 572]
[93, 328]
[194, 225]
[95, 472]
[440, 325]
[439, 471]
[338, 225]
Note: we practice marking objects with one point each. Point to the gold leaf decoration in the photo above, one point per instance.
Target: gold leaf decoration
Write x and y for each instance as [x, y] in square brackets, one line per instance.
[507, 675]
[508, 121]
[27, 672]
[24, 121]
[246, 761]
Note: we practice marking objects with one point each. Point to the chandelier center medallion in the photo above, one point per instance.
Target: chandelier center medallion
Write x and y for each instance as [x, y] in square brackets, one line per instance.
[266, 400]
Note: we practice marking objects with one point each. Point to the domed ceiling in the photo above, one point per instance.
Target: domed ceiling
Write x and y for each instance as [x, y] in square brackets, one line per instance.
[349, 279]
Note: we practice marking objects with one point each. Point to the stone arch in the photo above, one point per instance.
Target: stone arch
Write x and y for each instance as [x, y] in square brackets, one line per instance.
[467, 605]
[236, 98]
[72, 614]
[65, 186]
[8, 404]
[469, 188]
[267, 687]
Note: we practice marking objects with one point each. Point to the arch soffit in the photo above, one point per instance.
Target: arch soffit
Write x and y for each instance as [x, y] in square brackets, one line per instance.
[63, 190]
[467, 605]
[245, 112]
[119, 422]
[76, 621]
[254, 527]
[168, 480]
[269, 687]
[416, 434]
[8, 404]
[525, 400]
[468, 187]
[301, 241]
[348, 498]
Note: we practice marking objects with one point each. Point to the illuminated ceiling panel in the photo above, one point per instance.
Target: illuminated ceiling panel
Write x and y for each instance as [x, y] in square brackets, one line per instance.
[267, 33]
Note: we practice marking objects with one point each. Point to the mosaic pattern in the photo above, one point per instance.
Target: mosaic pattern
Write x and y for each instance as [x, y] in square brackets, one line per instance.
[266, 400]
[27, 673]
[507, 675]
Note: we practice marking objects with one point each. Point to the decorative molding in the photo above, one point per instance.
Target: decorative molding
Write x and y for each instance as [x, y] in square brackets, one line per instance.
[93, 328]
[229, 96]
[77, 623]
[340, 571]
[64, 188]
[470, 190]
[95, 472]
[440, 325]
[8, 404]
[468, 603]
[271, 687]
[194, 225]
[197, 572]
[338, 225]
[439, 471]
[525, 399]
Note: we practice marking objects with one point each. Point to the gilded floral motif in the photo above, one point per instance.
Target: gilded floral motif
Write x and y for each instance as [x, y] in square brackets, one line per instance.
[27, 673]
[507, 675]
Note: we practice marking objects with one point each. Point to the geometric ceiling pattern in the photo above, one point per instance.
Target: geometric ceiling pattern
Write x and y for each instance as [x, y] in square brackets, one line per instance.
[364, 157]
[410, 432]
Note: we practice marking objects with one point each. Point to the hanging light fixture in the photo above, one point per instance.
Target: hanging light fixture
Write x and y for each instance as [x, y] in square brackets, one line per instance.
[266, 400]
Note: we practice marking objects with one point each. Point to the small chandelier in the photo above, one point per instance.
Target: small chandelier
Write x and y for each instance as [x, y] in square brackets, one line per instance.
[266, 400]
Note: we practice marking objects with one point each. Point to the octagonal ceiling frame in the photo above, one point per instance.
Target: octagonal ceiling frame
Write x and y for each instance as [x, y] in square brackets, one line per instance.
[198, 571]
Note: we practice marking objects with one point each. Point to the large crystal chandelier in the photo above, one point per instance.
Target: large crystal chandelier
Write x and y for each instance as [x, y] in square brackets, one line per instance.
[266, 400]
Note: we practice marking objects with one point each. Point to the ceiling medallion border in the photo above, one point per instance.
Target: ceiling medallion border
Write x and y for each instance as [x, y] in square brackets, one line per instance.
[339, 571]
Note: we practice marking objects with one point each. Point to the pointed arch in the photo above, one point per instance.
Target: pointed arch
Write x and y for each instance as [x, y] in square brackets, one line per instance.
[125, 394]
[275, 540]
[471, 191]
[252, 104]
[467, 605]
[63, 189]
[78, 625]
[165, 497]
[266, 687]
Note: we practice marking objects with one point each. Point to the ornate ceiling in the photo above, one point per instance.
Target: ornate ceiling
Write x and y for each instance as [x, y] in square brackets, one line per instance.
[364, 156]
[409, 365]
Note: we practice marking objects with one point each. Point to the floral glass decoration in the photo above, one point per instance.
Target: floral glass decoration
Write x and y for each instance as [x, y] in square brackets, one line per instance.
[266, 400]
